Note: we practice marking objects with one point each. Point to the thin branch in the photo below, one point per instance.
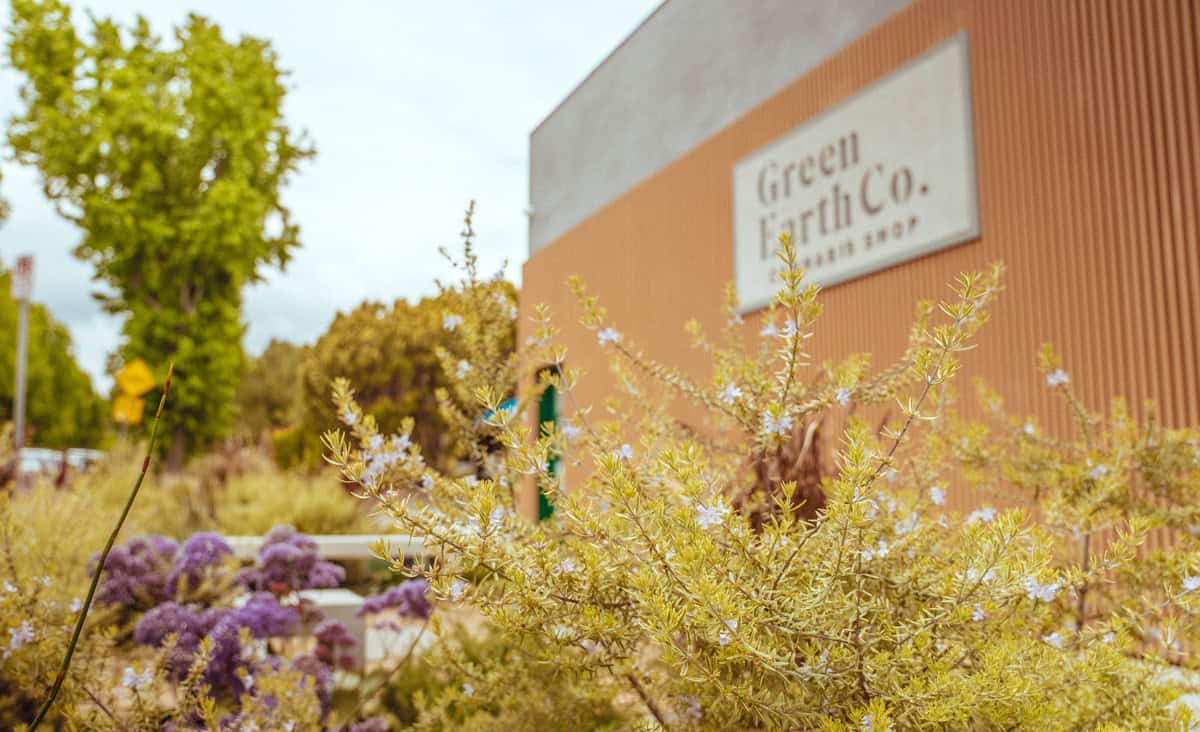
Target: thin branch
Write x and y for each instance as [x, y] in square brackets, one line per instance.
[112, 538]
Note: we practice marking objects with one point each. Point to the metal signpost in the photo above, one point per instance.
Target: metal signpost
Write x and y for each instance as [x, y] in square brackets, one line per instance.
[22, 291]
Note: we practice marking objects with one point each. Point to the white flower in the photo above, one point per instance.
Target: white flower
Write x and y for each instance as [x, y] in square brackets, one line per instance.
[937, 495]
[1191, 584]
[571, 431]
[843, 396]
[566, 566]
[1029, 428]
[1054, 639]
[878, 552]
[768, 330]
[427, 481]
[250, 726]
[781, 426]
[904, 526]
[693, 709]
[1108, 637]
[591, 646]
[608, 335]
[708, 516]
[1057, 378]
[1037, 591]
[496, 517]
[626, 451]
[789, 329]
[288, 726]
[985, 514]
[451, 321]
[19, 636]
[462, 369]
[468, 690]
[45, 580]
[891, 475]
[726, 635]
[9, 586]
[513, 312]
[731, 393]
[868, 724]
[1099, 472]
[979, 614]
[349, 417]
[974, 575]
[375, 442]
[457, 590]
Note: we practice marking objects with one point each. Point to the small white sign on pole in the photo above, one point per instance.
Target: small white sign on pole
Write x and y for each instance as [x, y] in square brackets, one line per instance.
[884, 177]
[22, 291]
[22, 278]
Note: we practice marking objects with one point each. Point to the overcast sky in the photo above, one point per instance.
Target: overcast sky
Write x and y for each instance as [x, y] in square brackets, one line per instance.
[415, 108]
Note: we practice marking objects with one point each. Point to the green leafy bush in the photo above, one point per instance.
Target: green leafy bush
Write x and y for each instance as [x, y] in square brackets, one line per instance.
[880, 610]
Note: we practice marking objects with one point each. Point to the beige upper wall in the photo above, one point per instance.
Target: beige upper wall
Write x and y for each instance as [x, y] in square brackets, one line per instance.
[1087, 143]
[693, 67]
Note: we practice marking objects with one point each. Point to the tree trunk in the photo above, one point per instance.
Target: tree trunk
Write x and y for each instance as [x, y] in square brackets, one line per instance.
[177, 450]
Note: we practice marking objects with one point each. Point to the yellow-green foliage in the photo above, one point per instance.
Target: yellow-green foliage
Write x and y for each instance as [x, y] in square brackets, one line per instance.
[44, 546]
[250, 505]
[152, 702]
[48, 537]
[245, 500]
[443, 686]
[885, 611]
[1114, 471]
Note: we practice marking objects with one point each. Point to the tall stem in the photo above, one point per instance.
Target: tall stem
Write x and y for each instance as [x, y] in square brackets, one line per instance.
[112, 538]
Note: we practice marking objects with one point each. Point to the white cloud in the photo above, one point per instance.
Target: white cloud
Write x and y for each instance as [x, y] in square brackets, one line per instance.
[415, 108]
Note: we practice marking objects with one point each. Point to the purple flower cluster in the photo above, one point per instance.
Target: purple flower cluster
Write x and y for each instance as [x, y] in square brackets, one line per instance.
[410, 599]
[199, 554]
[189, 625]
[313, 668]
[152, 573]
[136, 573]
[289, 561]
[266, 618]
[262, 615]
[333, 644]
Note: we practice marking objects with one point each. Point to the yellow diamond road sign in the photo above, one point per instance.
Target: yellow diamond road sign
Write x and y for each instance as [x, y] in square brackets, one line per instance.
[127, 409]
[135, 378]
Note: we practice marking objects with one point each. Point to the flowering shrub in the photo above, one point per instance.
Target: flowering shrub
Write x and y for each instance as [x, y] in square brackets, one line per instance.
[199, 652]
[1115, 473]
[289, 561]
[410, 599]
[877, 609]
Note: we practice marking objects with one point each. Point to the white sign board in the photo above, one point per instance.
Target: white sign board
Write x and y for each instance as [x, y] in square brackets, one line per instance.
[22, 278]
[887, 176]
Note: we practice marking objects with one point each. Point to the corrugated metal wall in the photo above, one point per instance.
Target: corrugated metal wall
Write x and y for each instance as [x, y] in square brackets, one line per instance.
[1087, 129]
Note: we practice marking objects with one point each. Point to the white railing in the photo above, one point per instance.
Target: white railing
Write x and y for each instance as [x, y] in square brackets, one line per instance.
[341, 604]
[337, 546]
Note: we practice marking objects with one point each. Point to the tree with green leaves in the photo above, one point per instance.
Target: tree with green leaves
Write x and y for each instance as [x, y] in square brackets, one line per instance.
[62, 408]
[170, 158]
[267, 396]
[394, 356]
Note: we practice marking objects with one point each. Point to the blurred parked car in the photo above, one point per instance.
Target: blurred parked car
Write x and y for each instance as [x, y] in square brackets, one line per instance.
[46, 461]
